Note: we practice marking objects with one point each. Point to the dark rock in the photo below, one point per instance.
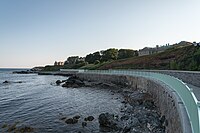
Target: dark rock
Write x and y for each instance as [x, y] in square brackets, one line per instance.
[71, 121]
[63, 81]
[65, 85]
[125, 117]
[24, 72]
[6, 82]
[150, 119]
[79, 82]
[63, 118]
[166, 123]
[125, 102]
[25, 129]
[149, 104]
[73, 82]
[76, 117]
[58, 82]
[69, 85]
[84, 124]
[116, 117]
[126, 129]
[87, 84]
[162, 119]
[134, 122]
[107, 120]
[119, 91]
[89, 118]
[138, 98]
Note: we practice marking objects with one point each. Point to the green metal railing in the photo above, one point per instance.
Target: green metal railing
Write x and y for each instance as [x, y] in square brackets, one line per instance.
[185, 93]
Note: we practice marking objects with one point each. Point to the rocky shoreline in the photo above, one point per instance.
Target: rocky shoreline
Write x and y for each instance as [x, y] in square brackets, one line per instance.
[76, 82]
[140, 115]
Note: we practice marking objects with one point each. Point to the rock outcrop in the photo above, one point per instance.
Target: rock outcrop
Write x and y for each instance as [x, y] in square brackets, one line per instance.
[73, 82]
[108, 122]
[8, 82]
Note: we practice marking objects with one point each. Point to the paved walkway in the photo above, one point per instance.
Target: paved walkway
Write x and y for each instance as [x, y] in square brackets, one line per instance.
[196, 90]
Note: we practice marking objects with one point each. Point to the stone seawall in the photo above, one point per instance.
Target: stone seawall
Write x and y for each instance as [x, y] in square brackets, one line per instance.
[165, 98]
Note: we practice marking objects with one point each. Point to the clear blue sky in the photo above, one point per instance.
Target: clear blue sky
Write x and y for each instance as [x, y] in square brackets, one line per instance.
[38, 32]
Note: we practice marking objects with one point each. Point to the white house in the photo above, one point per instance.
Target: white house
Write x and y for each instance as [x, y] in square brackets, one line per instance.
[146, 51]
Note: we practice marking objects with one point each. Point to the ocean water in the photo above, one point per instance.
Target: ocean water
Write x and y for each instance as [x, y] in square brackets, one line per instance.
[37, 102]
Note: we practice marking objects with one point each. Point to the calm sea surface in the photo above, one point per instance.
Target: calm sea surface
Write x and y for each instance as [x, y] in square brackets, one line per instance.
[39, 103]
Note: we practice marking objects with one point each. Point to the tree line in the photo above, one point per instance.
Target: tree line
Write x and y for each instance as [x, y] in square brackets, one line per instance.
[102, 56]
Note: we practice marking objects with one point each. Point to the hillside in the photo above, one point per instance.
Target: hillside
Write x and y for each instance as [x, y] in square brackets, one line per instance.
[180, 58]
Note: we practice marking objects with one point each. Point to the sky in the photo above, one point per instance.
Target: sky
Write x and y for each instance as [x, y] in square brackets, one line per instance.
[39, 32]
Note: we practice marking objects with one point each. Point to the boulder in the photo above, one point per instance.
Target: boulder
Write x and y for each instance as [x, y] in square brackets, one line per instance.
[73, 82]
[76, 117]
[6, 82]
[108, 120]
[69, 85]
[125, 117]
[84, 124]
[58, 82]
[71, 121]
[89, 118]
[138, 98]
[63, 118]
[126, 129]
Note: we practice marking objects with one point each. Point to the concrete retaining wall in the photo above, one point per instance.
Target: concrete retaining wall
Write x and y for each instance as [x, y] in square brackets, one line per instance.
[165, 98]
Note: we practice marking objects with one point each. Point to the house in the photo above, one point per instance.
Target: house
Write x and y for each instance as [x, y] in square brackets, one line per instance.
[149, 51]
[162, 48]
[146, 51]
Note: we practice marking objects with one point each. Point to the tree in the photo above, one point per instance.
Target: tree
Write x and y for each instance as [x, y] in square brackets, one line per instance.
[96, 56]
[109, 54]
[91, 58]
[72, 59]
[126, 53]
